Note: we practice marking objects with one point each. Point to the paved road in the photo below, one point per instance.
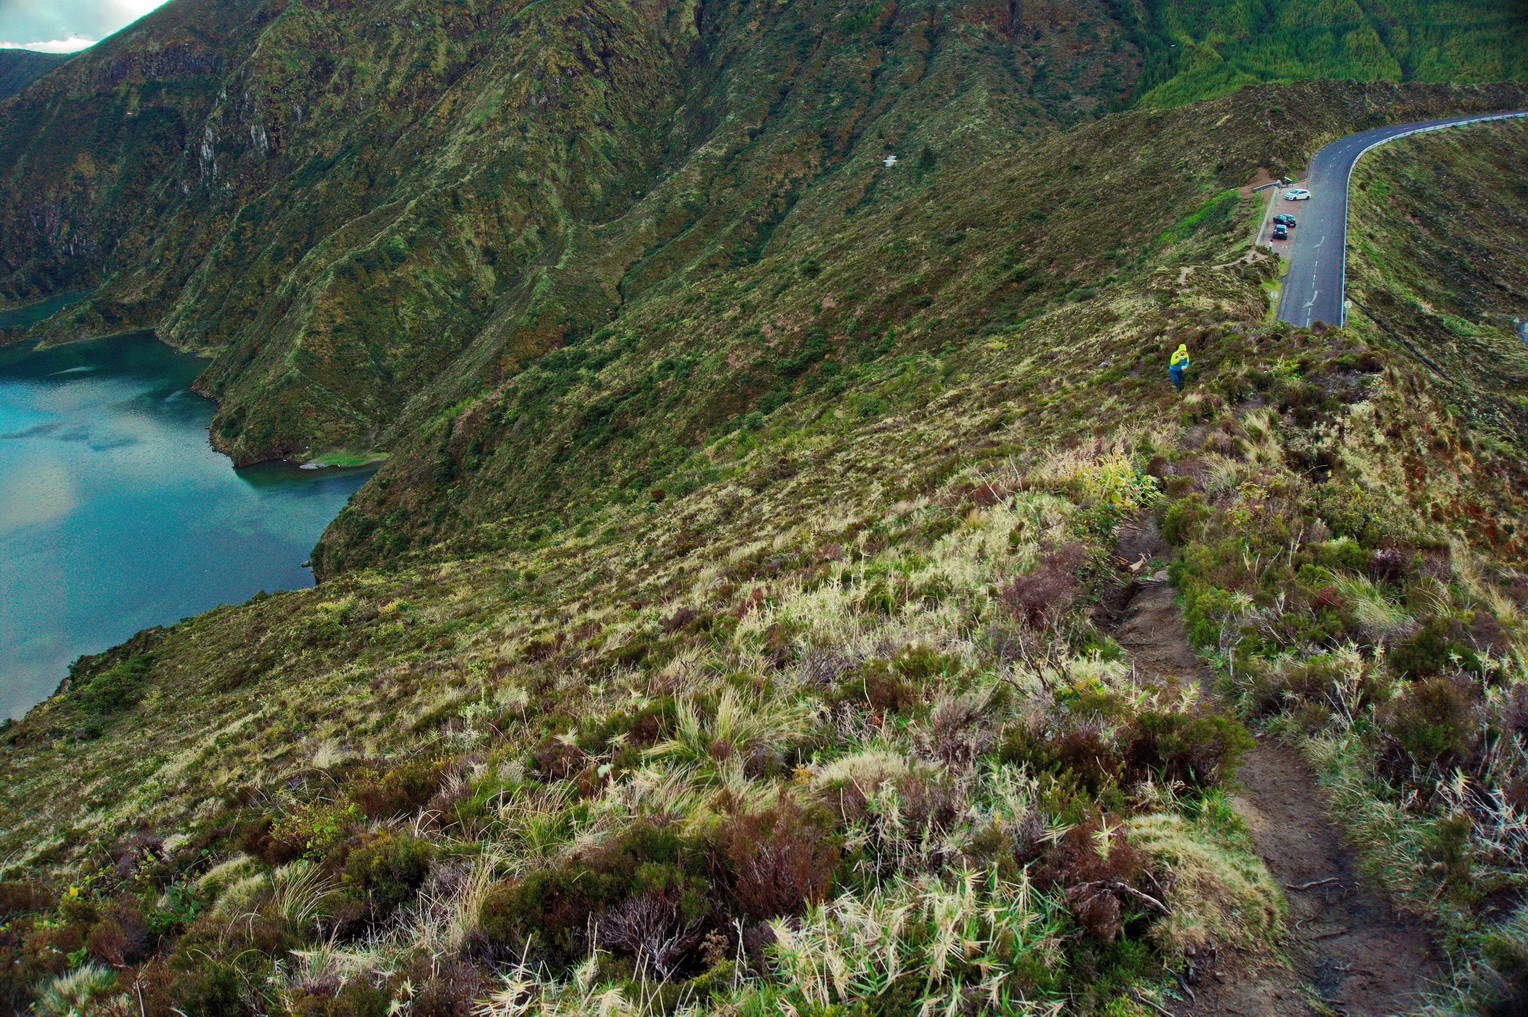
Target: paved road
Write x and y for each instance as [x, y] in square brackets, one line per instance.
[1315, 283]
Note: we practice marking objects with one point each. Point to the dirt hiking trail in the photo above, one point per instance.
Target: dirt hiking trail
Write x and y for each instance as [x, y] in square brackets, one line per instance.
[1348, 952]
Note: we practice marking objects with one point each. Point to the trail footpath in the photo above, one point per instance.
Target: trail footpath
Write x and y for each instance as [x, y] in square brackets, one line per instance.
[1348, 953]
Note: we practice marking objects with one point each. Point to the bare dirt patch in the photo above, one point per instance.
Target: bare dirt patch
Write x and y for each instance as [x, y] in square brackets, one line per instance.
[1262, 179]
[1348, 952]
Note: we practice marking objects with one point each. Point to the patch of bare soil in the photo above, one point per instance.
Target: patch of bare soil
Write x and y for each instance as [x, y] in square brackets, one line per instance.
[1348, 952]
[1262, 179]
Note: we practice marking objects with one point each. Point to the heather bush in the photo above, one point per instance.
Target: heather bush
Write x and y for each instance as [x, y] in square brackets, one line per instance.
[357, 999]
[386, 870]
[779, 861]
[1437, 647]
[1200, 750]
[1431, 723]
[402, 789]
[1102, 876]
[1042, 598]
[632, 889]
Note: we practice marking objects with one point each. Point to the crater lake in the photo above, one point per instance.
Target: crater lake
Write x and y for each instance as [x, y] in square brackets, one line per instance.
[116, 514]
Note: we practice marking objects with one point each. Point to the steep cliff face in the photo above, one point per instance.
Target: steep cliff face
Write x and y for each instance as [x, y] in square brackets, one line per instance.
[83, 152]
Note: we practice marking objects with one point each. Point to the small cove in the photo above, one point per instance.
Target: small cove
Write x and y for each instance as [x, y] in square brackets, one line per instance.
[30, 314]
[116, 514]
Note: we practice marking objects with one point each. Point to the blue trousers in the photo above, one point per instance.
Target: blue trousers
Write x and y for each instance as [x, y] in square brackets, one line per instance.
[1177, 376]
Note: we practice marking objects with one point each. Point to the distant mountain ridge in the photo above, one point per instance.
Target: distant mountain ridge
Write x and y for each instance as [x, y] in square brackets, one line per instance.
[20, 67]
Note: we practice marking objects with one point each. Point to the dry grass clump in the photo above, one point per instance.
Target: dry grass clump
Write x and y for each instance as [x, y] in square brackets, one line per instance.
[1220, 895]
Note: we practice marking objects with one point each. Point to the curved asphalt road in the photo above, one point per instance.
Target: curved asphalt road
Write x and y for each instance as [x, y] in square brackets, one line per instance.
[1315, 283]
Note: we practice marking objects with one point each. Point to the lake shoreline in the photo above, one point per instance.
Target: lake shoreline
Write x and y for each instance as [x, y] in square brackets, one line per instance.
[118, 515]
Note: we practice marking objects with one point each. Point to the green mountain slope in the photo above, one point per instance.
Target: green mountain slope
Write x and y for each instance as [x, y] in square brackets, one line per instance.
[19, 68]
[518, 173]
[265, 182]
[1217, 47]
[936, 260]
[852, 664]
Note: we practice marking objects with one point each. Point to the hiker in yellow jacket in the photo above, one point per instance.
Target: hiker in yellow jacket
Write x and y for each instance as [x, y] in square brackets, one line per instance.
[1178, 365]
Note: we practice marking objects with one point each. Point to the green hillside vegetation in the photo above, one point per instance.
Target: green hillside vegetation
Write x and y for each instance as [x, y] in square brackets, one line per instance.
[731, 628]
[1432, 217]
[20, 67]
[918, 273]
[1205, 49]
[265, 182]
[830, 716]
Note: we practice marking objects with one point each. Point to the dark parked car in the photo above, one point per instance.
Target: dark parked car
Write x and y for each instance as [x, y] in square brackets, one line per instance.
[1284, 220]
[1280, 233]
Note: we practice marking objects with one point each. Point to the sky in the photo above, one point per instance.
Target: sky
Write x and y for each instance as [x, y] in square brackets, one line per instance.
[64, 26]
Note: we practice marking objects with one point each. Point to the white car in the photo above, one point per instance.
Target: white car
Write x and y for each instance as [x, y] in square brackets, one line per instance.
[1298, 194]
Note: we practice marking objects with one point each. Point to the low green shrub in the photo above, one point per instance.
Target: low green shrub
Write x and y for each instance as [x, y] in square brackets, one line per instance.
[386, 871]
[398, 791]
[1432, 650]
[118, 687]
[1432, 722]
[1201, 750]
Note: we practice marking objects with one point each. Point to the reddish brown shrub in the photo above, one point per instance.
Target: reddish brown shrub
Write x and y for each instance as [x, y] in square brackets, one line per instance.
[780, 861]
[929, 803]
[449, 990]
[958, 733]
[555, 759]
[120, 936]
[1390, 565]
[1042, 598]
[1101, 886]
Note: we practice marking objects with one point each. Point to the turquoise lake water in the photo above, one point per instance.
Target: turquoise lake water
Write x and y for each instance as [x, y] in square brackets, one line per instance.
[116, 514]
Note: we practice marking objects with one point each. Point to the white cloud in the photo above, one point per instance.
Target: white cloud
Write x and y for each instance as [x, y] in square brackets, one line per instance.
[73, 44]
[64, 26]
[132, 10]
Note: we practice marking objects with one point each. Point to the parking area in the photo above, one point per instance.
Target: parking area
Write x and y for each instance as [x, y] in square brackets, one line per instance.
[1280, 225]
